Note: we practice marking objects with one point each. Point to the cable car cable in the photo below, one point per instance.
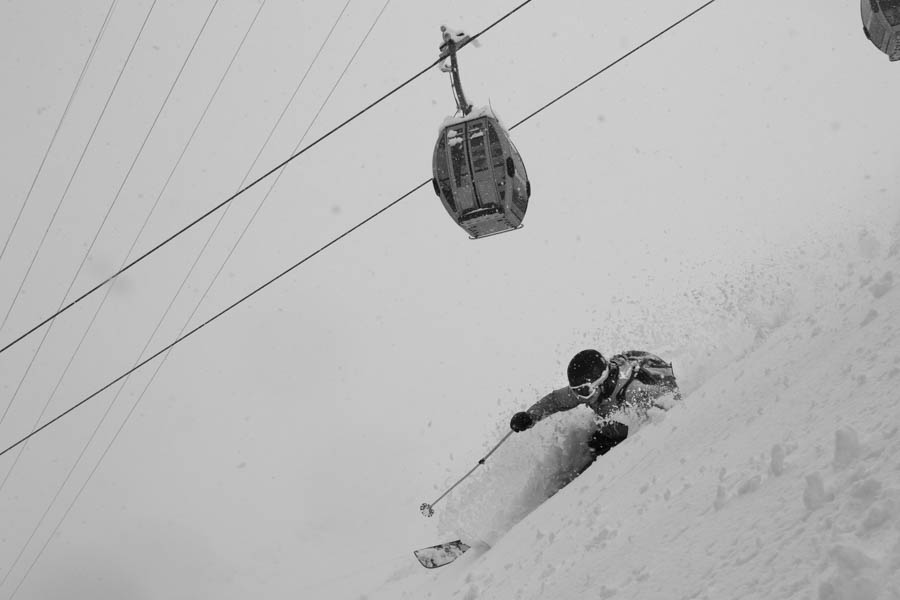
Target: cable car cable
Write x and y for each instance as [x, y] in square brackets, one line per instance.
[216, 316]
[62, 198]
[111, 205]
[136, 238]
[280, 117]
[615, 62]
[171, 173]
[253, 183]
[183, 283]
[65, 112]
[156, 329]
[77, 166]
[280, 173]
[302, 261]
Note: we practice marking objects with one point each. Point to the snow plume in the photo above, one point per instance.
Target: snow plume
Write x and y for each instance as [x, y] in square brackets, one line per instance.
[519, 477]
[722, 318]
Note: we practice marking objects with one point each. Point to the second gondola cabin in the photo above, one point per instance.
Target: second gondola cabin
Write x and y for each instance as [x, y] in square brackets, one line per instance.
[881, 24]
[479, 175]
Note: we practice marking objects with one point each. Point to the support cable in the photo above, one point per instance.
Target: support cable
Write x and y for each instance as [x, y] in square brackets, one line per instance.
[147, 345]
[77, 167]
[131, 249]
[58, 127]
[216, 316]
[280, 173]
[109, 407]
[253, 183]
[287, 105]
[111, 206]
[615, 62]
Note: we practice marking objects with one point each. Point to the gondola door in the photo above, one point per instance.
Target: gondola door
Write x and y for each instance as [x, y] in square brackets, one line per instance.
[481, 164]
[466, 199]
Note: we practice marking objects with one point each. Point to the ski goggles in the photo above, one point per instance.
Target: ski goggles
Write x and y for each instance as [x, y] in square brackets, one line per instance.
[586, 390]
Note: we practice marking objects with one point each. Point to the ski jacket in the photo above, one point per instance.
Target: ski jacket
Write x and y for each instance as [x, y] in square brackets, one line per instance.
[637, 379]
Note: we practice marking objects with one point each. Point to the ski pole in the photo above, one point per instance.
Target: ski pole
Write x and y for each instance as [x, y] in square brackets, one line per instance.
[428, 509]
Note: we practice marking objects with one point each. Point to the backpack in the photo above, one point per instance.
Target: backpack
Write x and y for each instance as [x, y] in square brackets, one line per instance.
[649, 369]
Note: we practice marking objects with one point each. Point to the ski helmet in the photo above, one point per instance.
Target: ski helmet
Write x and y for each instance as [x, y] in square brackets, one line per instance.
[586, 367]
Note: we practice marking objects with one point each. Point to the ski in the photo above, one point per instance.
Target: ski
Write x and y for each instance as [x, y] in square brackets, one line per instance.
[441, 554]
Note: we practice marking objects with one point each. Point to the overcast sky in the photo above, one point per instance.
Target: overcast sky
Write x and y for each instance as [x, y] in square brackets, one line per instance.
[324, 410]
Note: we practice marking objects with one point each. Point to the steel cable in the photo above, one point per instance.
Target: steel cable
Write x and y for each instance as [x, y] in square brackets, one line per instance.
[59, 204]
[106, 295]
[152, 335]
[65, 112]
[77, 167]
[111, 206]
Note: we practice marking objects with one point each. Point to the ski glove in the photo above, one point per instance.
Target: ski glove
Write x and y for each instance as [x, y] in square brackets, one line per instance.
[521, 421]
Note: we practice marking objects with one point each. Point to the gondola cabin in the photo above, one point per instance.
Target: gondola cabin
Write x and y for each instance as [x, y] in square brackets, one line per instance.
[881, 24]
[479, 175]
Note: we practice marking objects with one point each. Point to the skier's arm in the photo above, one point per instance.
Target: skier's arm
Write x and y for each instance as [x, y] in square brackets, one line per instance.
[554, 402]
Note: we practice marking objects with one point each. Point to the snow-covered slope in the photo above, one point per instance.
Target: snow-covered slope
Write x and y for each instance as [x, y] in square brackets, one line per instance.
[777, 477]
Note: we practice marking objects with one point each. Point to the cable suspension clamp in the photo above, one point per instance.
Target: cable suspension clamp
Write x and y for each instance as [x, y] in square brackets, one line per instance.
[453, 41]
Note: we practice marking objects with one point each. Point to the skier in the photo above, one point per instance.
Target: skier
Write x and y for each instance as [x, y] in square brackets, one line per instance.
[625, 386]
[635, 380]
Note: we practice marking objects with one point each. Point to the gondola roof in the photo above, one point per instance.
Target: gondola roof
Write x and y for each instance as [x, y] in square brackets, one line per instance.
[476, 113]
